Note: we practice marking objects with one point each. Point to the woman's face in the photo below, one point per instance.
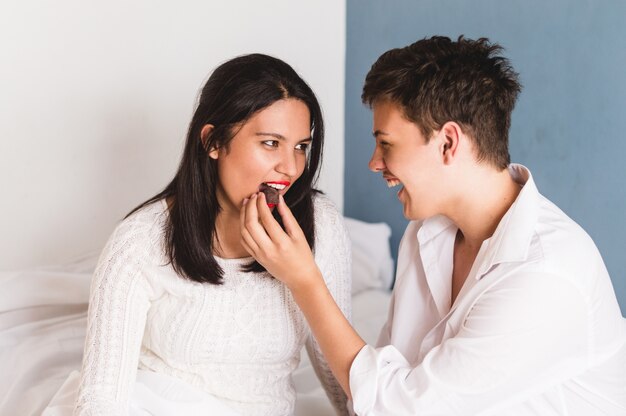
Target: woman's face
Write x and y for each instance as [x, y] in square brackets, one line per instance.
[269, 148]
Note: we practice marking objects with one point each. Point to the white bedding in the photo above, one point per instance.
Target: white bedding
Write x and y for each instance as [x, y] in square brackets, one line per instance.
[42, 329]
[43, 321]
[369, 312]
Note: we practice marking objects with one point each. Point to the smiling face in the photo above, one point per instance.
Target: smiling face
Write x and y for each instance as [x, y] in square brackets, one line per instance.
[406, 160]
[270, 148]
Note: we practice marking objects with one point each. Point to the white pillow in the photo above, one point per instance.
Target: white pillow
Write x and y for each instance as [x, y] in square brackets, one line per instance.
[372, 264]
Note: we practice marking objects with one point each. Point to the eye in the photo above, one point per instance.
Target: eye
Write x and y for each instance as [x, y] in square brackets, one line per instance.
[271, 143]
[302, 147]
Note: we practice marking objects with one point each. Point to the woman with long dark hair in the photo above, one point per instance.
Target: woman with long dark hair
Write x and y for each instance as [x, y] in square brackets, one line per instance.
[181, 318]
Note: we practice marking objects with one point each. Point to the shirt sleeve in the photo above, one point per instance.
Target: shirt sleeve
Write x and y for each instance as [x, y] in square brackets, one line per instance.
[384, 337]
[333, 257]
[118, 305]
[521, 337]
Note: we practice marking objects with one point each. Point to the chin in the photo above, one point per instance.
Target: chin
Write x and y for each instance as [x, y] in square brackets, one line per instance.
[408, 214]
[413, 215]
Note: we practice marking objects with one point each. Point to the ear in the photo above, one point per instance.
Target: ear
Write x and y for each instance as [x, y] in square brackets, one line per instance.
[204, 138]
[452, 133]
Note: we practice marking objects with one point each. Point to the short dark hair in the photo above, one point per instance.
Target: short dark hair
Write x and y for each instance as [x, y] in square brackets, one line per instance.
[436, 80]
[235, 91]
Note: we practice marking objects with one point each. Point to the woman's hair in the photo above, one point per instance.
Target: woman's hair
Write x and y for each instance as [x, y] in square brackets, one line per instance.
[436, 80]
[236, 90]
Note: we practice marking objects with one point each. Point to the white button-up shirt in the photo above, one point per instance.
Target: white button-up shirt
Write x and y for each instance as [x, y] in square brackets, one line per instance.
[535, 330]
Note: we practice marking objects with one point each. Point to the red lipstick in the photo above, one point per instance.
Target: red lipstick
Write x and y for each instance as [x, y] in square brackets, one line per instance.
[286, 183]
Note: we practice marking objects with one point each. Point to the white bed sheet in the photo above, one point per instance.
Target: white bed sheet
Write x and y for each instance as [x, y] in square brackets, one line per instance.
[369, 312]
[42, 328]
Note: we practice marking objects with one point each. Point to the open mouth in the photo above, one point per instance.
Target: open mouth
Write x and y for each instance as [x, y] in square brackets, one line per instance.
[279, 186]
[392, 182]
[272, 190]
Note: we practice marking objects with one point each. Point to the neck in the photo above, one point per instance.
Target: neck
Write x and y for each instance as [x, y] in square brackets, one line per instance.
[228, 242]
[483, 200]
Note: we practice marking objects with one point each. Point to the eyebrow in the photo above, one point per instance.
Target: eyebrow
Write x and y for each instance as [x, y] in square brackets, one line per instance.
[379, 133]
[280, 136]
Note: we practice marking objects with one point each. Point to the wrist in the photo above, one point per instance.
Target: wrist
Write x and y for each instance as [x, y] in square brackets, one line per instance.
[307, 283]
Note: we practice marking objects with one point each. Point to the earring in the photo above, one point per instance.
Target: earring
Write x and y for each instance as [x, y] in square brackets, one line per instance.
[213, 153]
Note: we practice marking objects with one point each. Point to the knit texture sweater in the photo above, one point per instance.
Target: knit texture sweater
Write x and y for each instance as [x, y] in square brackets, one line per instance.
[239, 341]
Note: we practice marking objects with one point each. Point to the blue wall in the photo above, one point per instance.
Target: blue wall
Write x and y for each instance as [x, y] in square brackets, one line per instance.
[569, 124]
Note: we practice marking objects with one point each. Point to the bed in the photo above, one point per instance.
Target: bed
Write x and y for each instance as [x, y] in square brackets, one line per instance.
[43, 320]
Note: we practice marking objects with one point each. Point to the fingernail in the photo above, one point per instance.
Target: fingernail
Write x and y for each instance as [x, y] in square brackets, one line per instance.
[245, 201]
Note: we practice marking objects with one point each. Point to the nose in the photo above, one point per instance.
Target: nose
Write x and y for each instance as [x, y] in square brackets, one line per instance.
[288, 164]
[376, 163]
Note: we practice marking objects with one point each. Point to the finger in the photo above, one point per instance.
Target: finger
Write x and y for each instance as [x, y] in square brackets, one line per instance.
[272, 227]
[246, 239]
[252, 225]
[289, 221]
[252, 251]
[252, 246]
[242, 213]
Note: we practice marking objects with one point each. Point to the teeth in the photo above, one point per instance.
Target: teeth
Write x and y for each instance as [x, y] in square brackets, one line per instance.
[392, 182]
[278, 186]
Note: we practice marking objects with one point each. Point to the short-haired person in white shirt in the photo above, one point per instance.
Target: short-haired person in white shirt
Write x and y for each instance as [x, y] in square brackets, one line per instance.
[502, 303]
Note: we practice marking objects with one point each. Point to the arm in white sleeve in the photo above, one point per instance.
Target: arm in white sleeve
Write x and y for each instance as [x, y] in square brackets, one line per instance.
[333, 257]
[384, 338]
[118, 306]
[521, 337]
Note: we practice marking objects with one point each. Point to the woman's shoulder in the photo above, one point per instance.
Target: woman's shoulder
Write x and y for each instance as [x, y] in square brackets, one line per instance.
[143, 225]
[332, 245]
[329, 222]
[324, 207]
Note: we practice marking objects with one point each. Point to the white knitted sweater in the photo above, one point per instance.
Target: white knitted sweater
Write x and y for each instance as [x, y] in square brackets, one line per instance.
[239, 341]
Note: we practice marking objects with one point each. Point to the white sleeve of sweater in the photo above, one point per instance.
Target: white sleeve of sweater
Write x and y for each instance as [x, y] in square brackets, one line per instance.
[118, 305]
[333, 256]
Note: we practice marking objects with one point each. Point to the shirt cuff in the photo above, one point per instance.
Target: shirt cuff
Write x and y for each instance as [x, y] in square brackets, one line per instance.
[365, 374]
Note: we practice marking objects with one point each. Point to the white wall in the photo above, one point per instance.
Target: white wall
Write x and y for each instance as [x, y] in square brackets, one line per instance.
[95, 98]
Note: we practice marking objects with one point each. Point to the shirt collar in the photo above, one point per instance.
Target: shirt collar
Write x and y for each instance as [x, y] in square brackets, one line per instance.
[433, 227]
[511, 240]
